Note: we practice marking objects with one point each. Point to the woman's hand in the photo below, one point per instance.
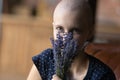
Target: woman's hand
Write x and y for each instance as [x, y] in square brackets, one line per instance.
[55, 77]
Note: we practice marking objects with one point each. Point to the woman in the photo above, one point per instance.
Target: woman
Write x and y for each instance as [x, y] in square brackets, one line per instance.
[71, 18]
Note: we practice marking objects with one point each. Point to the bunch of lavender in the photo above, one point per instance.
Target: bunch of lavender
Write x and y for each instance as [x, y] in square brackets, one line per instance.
[64, 50]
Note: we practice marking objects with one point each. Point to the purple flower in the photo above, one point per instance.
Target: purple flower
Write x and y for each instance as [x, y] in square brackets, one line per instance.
[64, 50]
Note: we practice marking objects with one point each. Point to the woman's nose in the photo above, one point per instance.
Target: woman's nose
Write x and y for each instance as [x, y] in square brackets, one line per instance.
[63, 33]
[67, 36]
[66, 31]
[64, 36]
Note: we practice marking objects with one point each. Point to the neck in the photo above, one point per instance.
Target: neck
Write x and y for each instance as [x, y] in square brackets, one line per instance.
[80, 65]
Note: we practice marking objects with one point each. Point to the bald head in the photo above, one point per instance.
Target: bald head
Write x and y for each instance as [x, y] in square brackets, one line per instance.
[74, 13]
[72, 4]
[80, 8]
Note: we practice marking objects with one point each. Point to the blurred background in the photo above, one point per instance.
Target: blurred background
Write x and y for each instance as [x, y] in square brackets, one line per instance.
[26, 26]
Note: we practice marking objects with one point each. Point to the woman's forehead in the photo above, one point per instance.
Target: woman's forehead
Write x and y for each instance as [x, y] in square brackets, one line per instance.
[66, 16]
[69, 18]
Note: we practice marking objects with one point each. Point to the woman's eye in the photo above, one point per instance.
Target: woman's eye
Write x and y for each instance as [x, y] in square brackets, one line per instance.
[59, 28]
[75, 30]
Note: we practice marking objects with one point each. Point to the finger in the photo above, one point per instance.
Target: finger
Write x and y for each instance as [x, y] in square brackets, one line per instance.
[55, 77]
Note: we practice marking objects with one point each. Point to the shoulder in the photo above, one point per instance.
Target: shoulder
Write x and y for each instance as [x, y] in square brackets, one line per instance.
[43, 55]
[101, 70]
[43, 58]
[44, 63]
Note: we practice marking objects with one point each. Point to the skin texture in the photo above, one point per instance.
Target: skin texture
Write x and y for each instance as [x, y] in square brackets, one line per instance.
[69, 16]
[34, 74]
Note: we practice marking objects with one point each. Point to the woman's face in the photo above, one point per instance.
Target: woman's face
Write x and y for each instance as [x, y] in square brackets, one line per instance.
[68, 21]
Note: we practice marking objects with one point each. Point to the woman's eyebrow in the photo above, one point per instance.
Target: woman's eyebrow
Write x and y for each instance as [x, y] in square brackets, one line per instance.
[58, 26]
[77, 27]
